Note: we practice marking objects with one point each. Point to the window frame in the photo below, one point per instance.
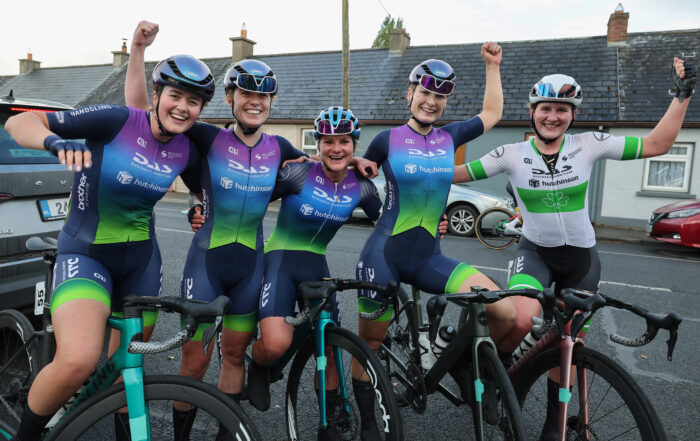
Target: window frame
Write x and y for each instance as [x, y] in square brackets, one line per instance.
[687, 159]
[310, 149]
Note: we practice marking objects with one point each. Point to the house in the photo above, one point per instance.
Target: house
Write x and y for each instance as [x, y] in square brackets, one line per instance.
[626, 80]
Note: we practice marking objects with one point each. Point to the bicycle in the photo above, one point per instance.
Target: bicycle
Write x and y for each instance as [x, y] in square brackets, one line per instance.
[491, 228]
[314, 331]
[417, 369]
[149, 398]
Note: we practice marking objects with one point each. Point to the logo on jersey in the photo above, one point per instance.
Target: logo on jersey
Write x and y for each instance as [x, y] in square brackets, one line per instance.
[264, 296]
[534, 183]
[600, 136]
[142, 160]
[232, 149]
[360, 264]
[187, 284]
[73, 267]
[320, 180]
[564, 169]
[170, 155]
[260, 156]
[235, 165]
[345, 199]
[141, 142]
[125, 177]
[306, 209]
[564, 158]
[99, 276]
[519, 262]
[575, 152]
[555, 198]
[226, 183]
[411, 168]
[527, 161]
[437, 152]
[83, 187]
[410, 141]
[497, 152]
[60, 117]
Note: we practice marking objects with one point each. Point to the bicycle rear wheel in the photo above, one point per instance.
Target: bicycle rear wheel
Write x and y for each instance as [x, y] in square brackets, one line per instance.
[17, 375]
[617, 408]
[94, 420]
[302, 402]
[489, 228]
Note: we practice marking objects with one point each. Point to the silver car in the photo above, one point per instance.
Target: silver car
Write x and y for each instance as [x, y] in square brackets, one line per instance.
[463, 206]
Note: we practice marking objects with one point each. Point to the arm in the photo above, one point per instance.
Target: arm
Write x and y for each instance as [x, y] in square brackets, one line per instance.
[461, 174]
[661, 139]
[498, 160]
[135, 91]
[493, 95]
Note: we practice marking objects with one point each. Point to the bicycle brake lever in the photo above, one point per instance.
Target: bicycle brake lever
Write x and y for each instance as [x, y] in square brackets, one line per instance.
[671, 342]
[210, 332]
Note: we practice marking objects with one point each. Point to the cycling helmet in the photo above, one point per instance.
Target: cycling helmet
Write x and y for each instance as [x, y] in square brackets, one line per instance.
[187, 73]
[435, 76]
[337, 121]
[557, 88]
[251, 75]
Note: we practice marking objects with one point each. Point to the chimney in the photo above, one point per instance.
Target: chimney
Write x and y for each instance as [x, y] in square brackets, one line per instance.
[242, 47]
[27, 65]
[399, 40]
[121, 57]
[617, 27]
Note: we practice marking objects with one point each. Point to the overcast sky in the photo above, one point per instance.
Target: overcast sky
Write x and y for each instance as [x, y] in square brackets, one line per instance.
[76, 32]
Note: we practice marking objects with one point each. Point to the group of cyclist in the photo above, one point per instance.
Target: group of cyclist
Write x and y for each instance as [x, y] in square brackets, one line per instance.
[132, 154]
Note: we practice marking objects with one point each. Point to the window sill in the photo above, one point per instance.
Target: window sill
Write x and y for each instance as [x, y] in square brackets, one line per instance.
[666, 194]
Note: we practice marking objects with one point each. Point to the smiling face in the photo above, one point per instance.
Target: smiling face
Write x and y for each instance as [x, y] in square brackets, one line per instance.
[251, 108]
[177, 109]
[552, 119]
[336, 152]
[426, 106]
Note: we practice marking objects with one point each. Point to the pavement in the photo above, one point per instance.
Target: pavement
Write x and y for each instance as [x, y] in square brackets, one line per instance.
[606, 233]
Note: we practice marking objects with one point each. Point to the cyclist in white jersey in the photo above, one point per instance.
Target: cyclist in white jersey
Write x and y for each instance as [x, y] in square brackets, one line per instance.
[550, 175]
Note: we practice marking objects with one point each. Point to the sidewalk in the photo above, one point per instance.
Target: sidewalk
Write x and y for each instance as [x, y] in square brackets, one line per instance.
[602, 232]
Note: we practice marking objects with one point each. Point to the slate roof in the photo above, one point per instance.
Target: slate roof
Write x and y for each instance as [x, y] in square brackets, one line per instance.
[623, 84]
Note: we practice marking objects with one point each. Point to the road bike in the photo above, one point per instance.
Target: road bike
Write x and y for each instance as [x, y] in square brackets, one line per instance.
[493, 228]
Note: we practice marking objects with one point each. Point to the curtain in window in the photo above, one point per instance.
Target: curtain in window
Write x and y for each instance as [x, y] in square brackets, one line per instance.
[666, 173]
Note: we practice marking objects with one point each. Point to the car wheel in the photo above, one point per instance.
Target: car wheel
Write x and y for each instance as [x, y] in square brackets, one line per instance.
[461, 220]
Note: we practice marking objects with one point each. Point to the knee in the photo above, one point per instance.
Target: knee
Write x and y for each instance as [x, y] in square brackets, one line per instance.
[73, 368]
[502, 314]
[234, 358]
[194, 361]
[275, 345]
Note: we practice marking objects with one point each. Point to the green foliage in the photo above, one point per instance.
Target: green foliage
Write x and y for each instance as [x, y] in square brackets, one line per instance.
[388, 25]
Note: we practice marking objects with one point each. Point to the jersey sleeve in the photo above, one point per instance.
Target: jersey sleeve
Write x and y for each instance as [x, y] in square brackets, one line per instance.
[378, 149]
[287, 150]
[491, 164]
[192, 174]
[605, 146]
[290, 179]
[465, 131]
[99, 122]
[202, 135]
[369, 199]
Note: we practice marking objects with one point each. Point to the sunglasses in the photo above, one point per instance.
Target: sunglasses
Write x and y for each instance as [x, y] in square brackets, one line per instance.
[344, 127]
[251, 83]
[442, 87]
[547, 90]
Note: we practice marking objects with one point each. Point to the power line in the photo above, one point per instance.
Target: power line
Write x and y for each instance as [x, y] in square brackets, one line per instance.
[382, 4]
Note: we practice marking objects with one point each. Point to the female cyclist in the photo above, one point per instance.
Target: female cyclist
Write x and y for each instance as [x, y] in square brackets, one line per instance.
[107, 248]
[418, 162]
[550, 175]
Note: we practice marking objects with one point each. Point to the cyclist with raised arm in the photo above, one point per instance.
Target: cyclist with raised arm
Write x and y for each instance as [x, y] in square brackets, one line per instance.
[107, 247]
[418, 162]
[550, 174]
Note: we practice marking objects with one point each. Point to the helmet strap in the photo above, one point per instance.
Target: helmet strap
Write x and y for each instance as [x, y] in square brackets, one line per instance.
[163, 130]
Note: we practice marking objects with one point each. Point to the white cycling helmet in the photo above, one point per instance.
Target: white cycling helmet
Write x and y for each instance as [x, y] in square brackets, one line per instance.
[557, 88]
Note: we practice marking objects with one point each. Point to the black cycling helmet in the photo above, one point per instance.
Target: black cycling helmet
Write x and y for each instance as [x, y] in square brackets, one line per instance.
[434, 75]
[187, 73]
[251, 75]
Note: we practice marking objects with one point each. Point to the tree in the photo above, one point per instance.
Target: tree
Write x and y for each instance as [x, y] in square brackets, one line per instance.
[388, 25]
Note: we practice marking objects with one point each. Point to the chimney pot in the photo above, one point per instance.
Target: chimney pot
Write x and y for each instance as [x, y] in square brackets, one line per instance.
[244, 31]
[28, 64]
[120, 57]
[29, 55]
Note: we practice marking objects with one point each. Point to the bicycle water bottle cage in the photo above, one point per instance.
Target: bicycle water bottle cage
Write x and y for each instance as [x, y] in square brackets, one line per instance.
[436, 308]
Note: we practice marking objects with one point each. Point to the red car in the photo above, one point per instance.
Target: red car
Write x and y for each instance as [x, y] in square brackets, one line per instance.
[677, 223]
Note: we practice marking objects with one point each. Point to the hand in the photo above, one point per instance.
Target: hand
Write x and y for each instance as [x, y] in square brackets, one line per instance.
[684, 75]
[299, 160]
[70, 153]
[195, 217]
[366, 167]
[144, 34]
[442, 226]
[491, 53]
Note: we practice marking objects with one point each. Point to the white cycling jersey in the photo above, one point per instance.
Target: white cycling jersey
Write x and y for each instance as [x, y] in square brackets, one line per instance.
[554, 206]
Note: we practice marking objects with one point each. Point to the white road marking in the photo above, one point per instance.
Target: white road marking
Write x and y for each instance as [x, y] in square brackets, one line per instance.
[648, 257]
[177, 231]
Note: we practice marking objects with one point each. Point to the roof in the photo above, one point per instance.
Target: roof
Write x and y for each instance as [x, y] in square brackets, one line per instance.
[621, 84]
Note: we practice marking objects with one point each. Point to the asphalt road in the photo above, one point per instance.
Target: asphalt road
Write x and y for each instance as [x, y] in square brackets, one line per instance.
[659, 277]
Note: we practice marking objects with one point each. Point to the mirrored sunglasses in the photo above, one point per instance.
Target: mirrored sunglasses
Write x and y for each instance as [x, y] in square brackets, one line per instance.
[344, 127]
[429, 82]
[252, 84]
[547, 90]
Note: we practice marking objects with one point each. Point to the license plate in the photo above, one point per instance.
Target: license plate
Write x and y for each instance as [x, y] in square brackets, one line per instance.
[52, 209]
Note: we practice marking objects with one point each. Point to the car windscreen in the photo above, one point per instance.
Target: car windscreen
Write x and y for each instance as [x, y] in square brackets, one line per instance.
[13, 153]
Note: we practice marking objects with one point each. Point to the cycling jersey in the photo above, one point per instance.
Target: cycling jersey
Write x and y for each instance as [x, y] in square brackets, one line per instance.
[554, 206]
[314, 207]
[131, 170]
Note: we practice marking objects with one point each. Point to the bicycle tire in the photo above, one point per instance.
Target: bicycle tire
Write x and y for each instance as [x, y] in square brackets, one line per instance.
[618, 409]
[15, 381]
[502, 419]
[488, 234]
[93, 420]
[302, 402]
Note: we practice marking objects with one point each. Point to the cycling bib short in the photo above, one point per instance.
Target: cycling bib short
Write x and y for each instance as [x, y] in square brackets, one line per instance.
[404, 246]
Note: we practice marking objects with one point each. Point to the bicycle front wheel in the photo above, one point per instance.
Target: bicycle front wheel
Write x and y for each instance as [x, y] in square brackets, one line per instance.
[490, 228]
[94, 419]
[616, 407]
[498, 417]
[302, 402]
[18, 367]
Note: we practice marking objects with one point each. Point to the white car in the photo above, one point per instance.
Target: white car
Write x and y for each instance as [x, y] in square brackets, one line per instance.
[463, 206]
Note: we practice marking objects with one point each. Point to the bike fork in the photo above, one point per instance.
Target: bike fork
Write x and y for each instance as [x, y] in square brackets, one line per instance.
[567, 352]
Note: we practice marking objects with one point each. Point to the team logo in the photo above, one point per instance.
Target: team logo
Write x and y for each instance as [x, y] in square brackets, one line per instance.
[437, 152]
[534, 183]
[555, 199]
[170, 155]
[600, 136]
[60, 118]
[410, 141]
[564, 158]
[527, 161]
[82, 192]
[125, 177]
[306, 209]
[259, 156]
[320, 180]
[232, 149]
[537, 171]
[235, 165]
[226, 183]
[100, 277]
[265, 294]
[73, 267]
[331, 198]
[411, 168]
[141, 142]
[497, 152]
[140, 159]
[187, 284]
[574, 153]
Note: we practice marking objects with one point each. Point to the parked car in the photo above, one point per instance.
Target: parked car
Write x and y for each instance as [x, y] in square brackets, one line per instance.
[34, 192]
[677, 223]
[463, 206]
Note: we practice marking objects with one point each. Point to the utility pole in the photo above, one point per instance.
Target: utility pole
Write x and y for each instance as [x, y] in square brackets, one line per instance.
[346, 57]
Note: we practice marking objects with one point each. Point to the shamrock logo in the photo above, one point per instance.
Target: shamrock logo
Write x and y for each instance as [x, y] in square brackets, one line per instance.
[555, 200]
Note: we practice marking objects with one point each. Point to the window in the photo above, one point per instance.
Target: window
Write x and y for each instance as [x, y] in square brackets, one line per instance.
[308, 143]
[670, 172]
